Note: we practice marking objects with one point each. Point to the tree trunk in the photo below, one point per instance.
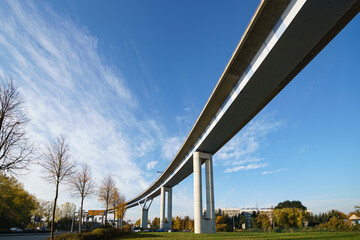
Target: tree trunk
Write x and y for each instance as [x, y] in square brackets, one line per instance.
[81, 215]
[107, 207]
[54, 210]
[114, 215]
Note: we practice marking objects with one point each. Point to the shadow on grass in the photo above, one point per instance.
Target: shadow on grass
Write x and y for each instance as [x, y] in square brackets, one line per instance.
[285, 236]
[142, 235]
[244, 236]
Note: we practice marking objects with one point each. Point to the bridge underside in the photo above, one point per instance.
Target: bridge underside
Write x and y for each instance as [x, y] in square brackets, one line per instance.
[282, 38]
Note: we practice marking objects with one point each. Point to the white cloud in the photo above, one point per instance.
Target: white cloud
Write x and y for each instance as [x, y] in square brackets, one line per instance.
[247, 167]
[170, 147]
[248, 160]
[275, 171]
[69, 88]
[248, 140]
[151, 165]
[244, 147]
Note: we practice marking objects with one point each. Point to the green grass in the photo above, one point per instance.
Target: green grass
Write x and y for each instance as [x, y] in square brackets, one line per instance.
[249, 236]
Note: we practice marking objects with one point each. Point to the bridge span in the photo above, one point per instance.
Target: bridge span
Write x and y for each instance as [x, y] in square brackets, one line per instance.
[282, 38]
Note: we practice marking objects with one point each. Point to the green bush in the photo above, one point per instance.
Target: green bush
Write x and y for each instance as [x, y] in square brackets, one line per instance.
[97, 234]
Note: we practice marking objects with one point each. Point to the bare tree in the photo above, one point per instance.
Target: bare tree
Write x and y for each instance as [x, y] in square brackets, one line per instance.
[57, 163]
[15, 148]
[105, 192]
[82, 184]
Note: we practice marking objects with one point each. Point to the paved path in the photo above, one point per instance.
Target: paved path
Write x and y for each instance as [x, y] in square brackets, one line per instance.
[26, 236]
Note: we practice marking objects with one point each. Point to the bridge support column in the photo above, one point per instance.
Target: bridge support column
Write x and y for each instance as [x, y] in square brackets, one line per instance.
[166, 225]
[144, 213]
[203, 222]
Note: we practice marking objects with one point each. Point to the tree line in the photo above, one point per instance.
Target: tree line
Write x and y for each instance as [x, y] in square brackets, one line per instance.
[17, 206]
[17, 151]
[288, 215]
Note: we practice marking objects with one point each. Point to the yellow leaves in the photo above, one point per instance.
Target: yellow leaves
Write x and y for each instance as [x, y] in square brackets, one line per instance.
[289, 217]
[178, 223]
[15, 201]
[220, 219]
[264, 220]
[118, 203]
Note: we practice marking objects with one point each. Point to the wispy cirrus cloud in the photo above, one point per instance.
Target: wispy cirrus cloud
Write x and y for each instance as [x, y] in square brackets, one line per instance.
[274, 171]
[248, 160]
[241, 151]
[69, 88]
[170, 147]
[246, 167]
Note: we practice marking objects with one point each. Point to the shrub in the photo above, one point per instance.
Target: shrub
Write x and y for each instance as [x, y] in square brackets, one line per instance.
[221, 227]
[76, 236]
[278, 229]
[97, 234]
[103, 233]
[126, 229]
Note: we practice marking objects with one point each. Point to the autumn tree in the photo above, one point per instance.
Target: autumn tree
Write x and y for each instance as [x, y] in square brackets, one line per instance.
[43, 210]
[65, 212]
[335, 220]
[15, 148]
[289, 217]
[254, 223]
[119, 205]
[83, 185]
[16, 204]
[263, 220]
[155, 223]
[137, 223]
[189, 223]
[105, 192]
[221, 224]
[121, 209]
[178, 223]
[59, 167]
[357, 210]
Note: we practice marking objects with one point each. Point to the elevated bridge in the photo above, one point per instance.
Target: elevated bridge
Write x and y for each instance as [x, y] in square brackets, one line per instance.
[282, 38]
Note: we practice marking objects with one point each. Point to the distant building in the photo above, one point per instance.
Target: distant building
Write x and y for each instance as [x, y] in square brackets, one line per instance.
[228, 211]
[247, 212]
[354, 219]
[236, 211]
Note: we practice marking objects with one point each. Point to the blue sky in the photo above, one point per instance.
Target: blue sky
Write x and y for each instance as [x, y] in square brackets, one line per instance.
[126, 80]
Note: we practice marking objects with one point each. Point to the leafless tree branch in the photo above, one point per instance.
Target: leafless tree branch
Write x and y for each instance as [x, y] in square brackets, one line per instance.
[83, 184]
[105, 192]
[16, 151]
[59, 167]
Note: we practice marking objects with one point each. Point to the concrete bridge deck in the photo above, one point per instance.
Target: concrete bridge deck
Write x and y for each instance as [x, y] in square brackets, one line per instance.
[281, 39]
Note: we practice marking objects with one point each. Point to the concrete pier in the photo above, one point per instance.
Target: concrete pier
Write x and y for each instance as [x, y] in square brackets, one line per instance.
[203, 223]
[144, 213]
[166, 225]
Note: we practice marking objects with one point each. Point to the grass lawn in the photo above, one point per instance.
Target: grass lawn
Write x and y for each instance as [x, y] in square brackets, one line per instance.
[253, 236]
